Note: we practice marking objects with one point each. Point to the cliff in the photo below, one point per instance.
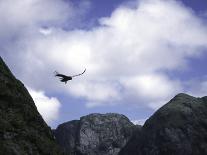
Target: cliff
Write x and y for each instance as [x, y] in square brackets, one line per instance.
[95, 134]
[22, 129]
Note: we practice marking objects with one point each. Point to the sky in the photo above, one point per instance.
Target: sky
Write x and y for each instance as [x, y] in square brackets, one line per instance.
[138, 54]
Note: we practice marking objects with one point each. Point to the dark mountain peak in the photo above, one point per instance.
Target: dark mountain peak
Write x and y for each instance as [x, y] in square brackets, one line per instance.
[183, 95]
[22, 129]
[5, 71]
[181, 104]
[179, 127]
[181, 98]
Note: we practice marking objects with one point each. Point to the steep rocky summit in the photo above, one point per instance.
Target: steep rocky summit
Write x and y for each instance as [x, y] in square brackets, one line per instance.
[95, 134]
[22, 129]
[177, 128]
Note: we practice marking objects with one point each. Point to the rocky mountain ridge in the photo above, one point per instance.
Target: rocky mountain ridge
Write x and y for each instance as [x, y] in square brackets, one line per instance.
[22, 129]
[177, 128]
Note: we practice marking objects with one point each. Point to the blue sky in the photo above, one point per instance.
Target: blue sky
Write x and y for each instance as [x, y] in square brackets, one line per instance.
[138, 54]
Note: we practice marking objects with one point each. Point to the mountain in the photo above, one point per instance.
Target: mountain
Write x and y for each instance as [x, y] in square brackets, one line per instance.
[177, 128]
[95, 134]
[22, 129]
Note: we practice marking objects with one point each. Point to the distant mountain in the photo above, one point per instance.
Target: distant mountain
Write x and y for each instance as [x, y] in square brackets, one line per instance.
[95, 134]
[177, 128]
[22, 129]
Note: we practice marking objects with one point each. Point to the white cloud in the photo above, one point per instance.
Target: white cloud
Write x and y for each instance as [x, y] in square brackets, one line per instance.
[139, 121]
[48, 107]
[151, 85]
[95, 91]
[155, 89]
[126, 57]
[20, 16]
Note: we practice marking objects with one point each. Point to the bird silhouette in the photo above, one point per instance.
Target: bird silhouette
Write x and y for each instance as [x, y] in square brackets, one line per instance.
[65, 78]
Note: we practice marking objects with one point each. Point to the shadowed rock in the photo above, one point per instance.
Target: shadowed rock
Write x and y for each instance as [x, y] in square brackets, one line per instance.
[22, 129]
[177, 128]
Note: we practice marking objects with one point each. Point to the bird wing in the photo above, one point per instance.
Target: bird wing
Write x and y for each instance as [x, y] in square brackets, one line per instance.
[60, 75]
[80, 73]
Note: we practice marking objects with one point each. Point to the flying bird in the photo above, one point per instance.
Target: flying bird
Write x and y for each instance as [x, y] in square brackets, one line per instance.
[65, 78]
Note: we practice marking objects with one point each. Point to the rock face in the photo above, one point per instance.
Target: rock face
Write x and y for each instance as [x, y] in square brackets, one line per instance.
[95, 134]
[22, 129]
[177, 128]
